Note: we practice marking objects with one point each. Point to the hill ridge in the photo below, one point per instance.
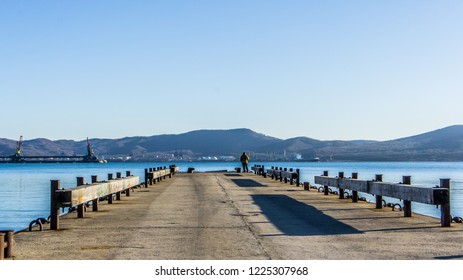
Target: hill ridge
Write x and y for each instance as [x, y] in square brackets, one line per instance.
[444, 144]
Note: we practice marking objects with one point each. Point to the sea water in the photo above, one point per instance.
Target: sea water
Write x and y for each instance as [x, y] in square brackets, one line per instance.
[25, 188]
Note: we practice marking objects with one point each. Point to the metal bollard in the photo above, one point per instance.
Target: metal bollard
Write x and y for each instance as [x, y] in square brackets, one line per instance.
[406, 180]
[341, 191]
[95, 201]
[325, 188]
[2, 245]
[110, 196]
[379, 198]
[80, 208]
[54, 209]
[446, 218]
[355, 194]
[7, 239]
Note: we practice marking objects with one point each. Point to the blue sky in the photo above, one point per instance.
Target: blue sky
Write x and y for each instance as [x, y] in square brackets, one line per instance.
[324, 69]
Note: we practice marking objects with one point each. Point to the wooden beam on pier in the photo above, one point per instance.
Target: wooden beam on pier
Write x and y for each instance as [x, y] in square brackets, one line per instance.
[434, 196]
[82, 194]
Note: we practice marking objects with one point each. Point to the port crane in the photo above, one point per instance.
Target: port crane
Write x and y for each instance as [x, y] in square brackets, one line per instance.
[17, 154]
[17, 157]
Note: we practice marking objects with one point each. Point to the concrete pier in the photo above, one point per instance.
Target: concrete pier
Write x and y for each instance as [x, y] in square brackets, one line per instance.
[240, 216]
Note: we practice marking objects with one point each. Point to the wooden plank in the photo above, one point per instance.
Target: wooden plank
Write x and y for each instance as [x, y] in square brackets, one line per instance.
[435, 196]
[327, 181]
[288, 174]
[158, 173]
[76, 196]
[420, 194]
[354, 185]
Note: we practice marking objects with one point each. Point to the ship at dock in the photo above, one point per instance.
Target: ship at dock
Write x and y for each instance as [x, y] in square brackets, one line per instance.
[18, 156]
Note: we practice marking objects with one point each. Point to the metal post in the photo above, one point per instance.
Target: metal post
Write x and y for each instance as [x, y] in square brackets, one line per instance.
[127, 191]
[446, 218]
[286, 179]
[298, 177]
[95, 201]
[54, 209]
[406, 180]
[341, 191]
[355, 194]
[263, 172]
[2, 245]
[80, 207]
[325, 173]
[291, 179]
[118, 194]
[110, 196]
[146, 177]
[9, 239]
[379, 198]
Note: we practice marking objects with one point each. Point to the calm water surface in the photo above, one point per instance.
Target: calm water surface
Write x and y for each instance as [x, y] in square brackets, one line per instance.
[25, 188]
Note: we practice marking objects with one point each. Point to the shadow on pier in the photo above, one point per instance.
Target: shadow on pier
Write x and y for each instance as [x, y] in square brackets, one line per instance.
[295, 218]
[247, 183]
[449, 257]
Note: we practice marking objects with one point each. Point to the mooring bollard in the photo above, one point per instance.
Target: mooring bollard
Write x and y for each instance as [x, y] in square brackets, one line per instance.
[80, 208]
[355, 194]
[110, 196]
[172, 170]
[406, 180]
[146, 177]
[127, 191]
[54, 209]
[291, 179]
[8, 240]
[2, 245]
[118, 194]
[325, 188]
[95, 201]
[341, 191]
[379, 198]
[446, 218]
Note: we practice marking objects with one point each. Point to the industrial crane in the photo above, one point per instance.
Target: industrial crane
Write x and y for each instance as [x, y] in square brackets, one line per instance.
[17, 154]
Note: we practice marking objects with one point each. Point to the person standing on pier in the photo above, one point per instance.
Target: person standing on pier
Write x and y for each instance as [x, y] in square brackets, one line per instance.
[244, 161]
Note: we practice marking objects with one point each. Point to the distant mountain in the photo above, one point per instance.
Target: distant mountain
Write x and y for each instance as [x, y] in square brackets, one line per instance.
[445, 144]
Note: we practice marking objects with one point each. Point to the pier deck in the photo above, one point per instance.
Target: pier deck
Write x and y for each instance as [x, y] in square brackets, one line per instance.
[240, 216]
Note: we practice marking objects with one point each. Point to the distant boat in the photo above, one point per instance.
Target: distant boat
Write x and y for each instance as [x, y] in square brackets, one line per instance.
[316, 159]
